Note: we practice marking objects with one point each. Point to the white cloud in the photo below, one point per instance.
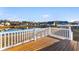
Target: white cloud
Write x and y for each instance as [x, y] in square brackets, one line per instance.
[46, 16]
[72, 20]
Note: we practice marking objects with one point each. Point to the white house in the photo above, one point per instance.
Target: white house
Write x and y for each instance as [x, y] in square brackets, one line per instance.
[4, 23]
[7, 23]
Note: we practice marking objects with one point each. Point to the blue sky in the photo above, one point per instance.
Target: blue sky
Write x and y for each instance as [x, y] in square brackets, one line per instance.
[40, 13]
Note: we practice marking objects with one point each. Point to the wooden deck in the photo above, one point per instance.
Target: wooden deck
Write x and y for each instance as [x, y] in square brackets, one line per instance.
[47, 44]
[34, 45]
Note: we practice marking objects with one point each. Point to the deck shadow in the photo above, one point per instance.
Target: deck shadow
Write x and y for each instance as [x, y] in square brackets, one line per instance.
[62, 45]
[55, 38]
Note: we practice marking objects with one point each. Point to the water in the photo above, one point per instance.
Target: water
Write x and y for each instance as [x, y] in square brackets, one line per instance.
[20, 30]
[9, 30]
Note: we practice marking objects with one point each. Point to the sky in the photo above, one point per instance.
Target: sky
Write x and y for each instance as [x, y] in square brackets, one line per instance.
[40, 13]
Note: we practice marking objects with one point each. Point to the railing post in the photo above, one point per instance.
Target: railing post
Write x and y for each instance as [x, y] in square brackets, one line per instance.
[49, 31]
[70, 34]
[34, 31]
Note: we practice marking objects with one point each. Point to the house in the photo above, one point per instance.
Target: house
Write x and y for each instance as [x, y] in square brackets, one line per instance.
[7, 23]
[1, 25]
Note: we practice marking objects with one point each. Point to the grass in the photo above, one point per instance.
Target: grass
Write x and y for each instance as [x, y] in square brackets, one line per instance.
[4, 27]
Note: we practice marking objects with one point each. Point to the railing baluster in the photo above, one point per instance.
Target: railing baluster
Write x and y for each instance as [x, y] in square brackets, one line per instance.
[21, 37]
[5, 40]
[11, 38]
[8, 40]
[26, 36]
[1, 41]
[14, 38]
[17, 37]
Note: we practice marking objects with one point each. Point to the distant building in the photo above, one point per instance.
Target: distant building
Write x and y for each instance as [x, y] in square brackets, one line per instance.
[1, 25]
[50, 23]
[43, 24]
[76, 22]
[61, 22]
[4, 23]
[7, 23]
[14, 23]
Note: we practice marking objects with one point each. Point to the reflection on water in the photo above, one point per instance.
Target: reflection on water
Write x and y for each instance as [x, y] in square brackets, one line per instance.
[12, 30]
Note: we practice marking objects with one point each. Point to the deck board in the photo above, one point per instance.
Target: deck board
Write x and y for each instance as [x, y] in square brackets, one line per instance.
[62, 45]
[47, 44]
[34, 45]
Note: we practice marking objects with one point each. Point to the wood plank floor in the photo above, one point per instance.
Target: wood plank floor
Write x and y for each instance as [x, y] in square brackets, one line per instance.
[34, 45]
[63, 45]
[47, 44]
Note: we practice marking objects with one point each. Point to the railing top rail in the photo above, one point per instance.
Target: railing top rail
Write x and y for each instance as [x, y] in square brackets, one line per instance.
[17, 31]
[61, 28]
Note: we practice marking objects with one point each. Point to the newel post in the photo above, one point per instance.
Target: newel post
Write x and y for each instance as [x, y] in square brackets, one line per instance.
[34, 31]
[49, 31]
[70, 33]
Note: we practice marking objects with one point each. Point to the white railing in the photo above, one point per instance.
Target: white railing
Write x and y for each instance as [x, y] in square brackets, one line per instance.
[61, 33]
[14, 38]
